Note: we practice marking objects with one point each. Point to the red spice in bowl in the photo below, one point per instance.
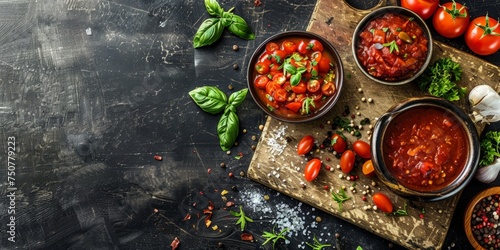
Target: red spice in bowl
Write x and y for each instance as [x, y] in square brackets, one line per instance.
[482, 220]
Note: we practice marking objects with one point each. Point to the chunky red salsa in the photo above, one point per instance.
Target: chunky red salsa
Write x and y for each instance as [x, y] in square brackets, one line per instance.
[392, 47]
[295, 76]
[425, 148]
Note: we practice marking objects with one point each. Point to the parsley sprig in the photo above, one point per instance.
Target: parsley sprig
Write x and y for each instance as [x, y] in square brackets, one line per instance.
[340, 197]
[490, 148]
[243, 218]
[317, 245]
[274, 237]
[440, 79]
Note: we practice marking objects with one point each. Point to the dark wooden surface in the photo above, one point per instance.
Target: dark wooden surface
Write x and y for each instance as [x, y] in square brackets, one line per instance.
[89, 112]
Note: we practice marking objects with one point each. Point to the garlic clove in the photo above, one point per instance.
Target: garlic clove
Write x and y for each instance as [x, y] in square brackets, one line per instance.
[488, 173]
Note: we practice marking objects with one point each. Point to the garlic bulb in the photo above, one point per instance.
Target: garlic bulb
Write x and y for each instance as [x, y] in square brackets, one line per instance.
[485, 103]
[488, 173]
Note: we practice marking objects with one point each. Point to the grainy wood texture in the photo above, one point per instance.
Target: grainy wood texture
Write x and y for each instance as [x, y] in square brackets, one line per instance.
[276, 164]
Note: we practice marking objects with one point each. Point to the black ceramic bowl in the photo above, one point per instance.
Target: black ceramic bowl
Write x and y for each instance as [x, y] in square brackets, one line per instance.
[330, 101]
[430, 152]
[410, 15]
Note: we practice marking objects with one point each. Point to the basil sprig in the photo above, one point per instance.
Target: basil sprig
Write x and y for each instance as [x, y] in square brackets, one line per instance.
[212, 100]
[212, 28]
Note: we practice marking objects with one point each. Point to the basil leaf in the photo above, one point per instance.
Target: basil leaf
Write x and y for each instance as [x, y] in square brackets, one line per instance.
[290, 68]
[209, 99]
[240, 28]
[228, 129]
[213, 8]
[295, 79]
[236, 98]
[210, 31]
[227, 19]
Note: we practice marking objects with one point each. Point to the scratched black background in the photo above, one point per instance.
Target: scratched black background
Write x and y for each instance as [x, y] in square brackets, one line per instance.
[89, 112]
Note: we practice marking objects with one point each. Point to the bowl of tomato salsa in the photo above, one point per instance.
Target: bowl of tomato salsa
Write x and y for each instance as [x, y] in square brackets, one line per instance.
[392, 45]
[295, 76]
[425, 148]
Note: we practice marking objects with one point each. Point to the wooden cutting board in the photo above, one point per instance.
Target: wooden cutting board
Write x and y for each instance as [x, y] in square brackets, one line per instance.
[276, 164]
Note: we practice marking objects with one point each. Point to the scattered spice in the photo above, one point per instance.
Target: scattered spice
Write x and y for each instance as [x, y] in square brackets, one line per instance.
[235, 47]
[257, 3]
[175, 243]
[246, 237]
[242, 221]
[485, 222]
[222, 165]
[158, 157]
[235, 66]
[340, 197]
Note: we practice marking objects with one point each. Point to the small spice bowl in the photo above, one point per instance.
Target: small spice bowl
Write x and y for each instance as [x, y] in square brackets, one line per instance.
[425, 149]
[288, 71]
[482, 220]
[392, 45]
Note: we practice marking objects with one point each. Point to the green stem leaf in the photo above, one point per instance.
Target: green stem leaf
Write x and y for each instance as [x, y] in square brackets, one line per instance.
[236, 98]
[213, 8]
[209, 32]
[240, 28]
[209, 99]
[228, 129]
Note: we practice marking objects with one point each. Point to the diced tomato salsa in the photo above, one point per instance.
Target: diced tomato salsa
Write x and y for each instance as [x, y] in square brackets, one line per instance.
[295, 77]
[392, 47]
[425, 148]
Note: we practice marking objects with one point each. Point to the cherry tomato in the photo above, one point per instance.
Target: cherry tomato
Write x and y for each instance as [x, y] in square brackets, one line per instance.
[313, 85]
[324, 65]
[423, 8]
[382, 202]
[302, 47]
[289, 47]
[305, 145]
[347, 161]
[278, 56]
[280, 95]
[482, 36]
[262, 68]
[316, 56]
[294, 106]
[261, 82]
[279, 78]
[328, 88]
[315, 45]
[362, 149]
[300, 88]
[338, 143]
[316, 96]
[368, 169]
[451, 19]
[312, 169]
[271, 87]
[271, 47]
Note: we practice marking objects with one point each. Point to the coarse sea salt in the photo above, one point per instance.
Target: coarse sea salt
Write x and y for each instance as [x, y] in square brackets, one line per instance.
[277, 141]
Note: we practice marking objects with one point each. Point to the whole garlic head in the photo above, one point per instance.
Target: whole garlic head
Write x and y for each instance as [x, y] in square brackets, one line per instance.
[485, 103]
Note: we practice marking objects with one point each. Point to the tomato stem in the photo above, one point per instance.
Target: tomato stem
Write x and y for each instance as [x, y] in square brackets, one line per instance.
[487, 30]
[454, 12]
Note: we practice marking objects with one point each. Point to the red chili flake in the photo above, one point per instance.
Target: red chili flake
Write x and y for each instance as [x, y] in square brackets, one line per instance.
[246, 237]
[158, 157]
[257, 3]
[421, 216]
[194, 204]
[175, 243]
[229, 204]
[187, 217]
[207, 211]
[240, 154]
[202, 193]
[155, 210]
[209, 171]
[210, 206]
[326, 187]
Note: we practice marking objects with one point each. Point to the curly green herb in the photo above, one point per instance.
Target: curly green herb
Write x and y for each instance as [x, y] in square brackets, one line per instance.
[490, 148]
[440, 79]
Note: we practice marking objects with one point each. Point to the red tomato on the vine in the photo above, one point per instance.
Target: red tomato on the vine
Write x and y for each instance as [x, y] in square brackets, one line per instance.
[347, 161]
[362, 149]
[483, 36]
[382, 202]
[423, 8]
[451, 19]
[338, 143]
[311, 171]
[305, 145]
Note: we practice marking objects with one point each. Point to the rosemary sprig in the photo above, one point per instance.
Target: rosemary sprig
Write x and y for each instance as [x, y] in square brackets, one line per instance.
[272, 236]
[340, 197]
[243, 218]
[317, 245]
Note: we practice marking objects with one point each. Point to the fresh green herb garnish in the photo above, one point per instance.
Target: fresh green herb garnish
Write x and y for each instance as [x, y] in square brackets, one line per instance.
[401, 212]
[243, 218]
[296, 72]
[340, 197]
[392, 46]
[306, 105]
[317, 245]
[212, 100]
[440, 79]
[385, 29]
[272, 236]
[490, 148]
[212, 28]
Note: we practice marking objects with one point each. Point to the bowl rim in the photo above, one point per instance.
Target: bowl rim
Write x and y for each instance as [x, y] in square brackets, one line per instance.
[399, 10]
[472, 161]
[339, 74]
[468, 214]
